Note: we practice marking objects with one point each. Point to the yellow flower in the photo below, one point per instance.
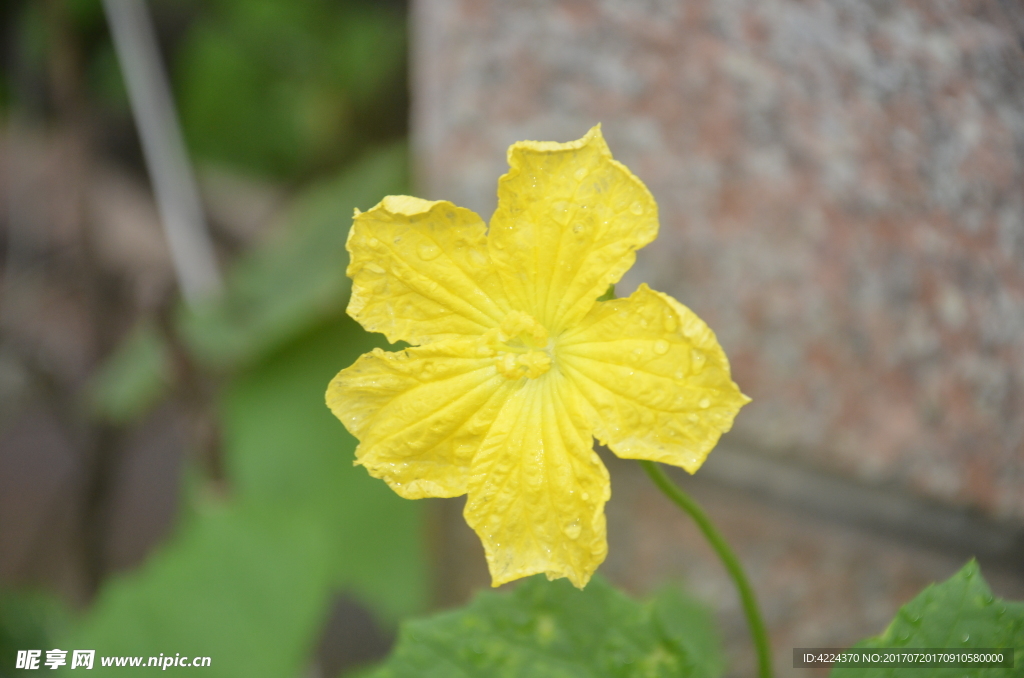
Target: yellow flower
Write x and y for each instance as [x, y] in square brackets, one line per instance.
[515, 366]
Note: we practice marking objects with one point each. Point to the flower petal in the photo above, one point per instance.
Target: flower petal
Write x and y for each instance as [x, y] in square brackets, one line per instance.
[537, 492]
[419, 414]
[656, 380]
[421, 271]
[568, 223]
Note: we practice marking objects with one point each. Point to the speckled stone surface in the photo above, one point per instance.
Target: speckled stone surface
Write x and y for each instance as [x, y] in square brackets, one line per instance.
[841, 185]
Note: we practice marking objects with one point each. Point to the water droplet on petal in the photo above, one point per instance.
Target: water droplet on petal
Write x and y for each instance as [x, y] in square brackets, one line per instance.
[573, 529]
[428, 252]
[697, 361]
[693, 417]
[704, 403]
[636, 208]
[661, 347]
[637, 355]
[560, 212]
[671, 324]
[580, 173]
[585, 496]
[577, 228]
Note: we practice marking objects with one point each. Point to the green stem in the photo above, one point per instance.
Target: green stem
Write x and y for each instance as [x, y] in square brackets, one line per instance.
[729, 559]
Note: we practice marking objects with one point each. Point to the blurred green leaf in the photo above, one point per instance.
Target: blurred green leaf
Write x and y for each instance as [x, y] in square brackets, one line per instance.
[275, 86]
[960, 613]
[297, 280]
[86, 14]
[247, 583]
[287, 452]
[244, 588]
[134, 378]
[28, 620]
[551, 629]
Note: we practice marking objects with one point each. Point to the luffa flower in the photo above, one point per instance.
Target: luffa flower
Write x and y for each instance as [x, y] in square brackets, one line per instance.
[515, 365]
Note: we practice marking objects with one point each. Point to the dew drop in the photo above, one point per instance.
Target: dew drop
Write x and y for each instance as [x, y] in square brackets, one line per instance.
[428, 252]
[585, 496]
[637, 355]
[560, 212]
[704, 403]
[577, 228]
[679, 374]
[965, 638]
[693, 417]
[636, 208]
[671, 324]
[661, 347]
[581, 173]
[573, 529]
[697, 361]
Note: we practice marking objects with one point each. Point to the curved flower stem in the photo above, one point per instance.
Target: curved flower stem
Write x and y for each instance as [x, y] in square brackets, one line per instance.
[729, 559]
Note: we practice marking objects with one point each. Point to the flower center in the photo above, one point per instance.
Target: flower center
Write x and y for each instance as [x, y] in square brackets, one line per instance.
[520, 346]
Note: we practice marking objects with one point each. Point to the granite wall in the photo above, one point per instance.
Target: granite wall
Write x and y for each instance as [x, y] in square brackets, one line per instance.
[841, 186]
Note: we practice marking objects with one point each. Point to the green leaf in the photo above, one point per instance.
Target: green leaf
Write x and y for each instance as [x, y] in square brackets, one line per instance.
[29, 619]
[960, 614]
[133, 379]
[551, 629]
[285, 451]
[284, 88]
[247, 582]
[246, 589]
[295, 282]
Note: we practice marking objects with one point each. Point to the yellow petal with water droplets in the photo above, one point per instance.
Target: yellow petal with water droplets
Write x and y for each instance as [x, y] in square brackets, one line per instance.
[655, 380]
[421, 271]
[568, 223]
[420, 414]
[537, 491]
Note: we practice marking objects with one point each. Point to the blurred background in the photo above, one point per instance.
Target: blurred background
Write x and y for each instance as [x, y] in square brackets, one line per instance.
[841, 187]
